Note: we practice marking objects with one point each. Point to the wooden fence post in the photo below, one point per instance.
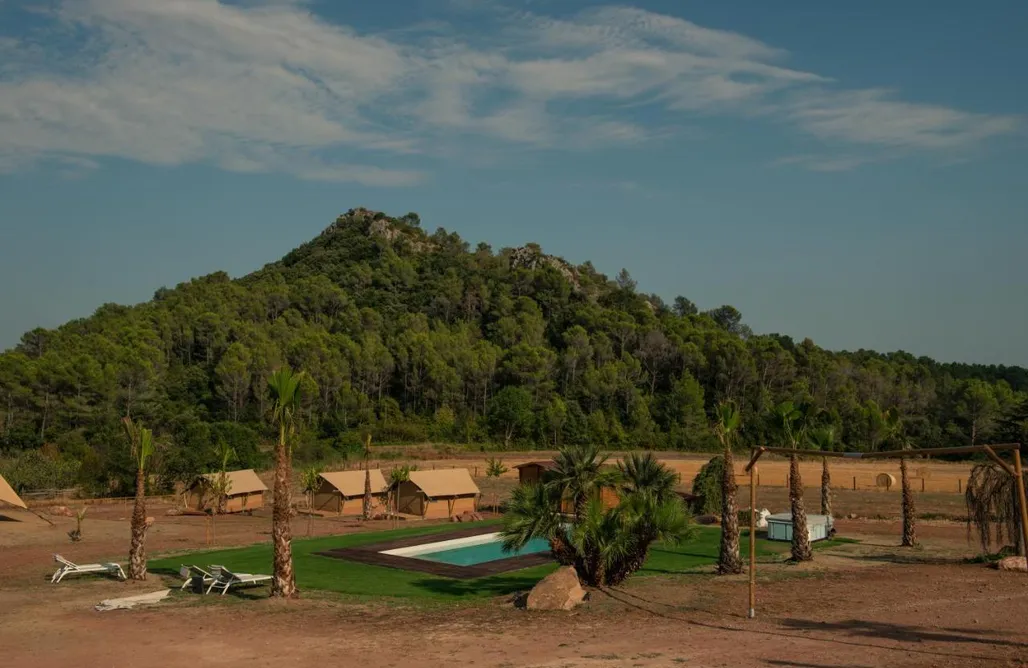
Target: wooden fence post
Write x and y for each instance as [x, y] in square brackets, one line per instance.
[922, 485]
[854, 483]
[960, 484]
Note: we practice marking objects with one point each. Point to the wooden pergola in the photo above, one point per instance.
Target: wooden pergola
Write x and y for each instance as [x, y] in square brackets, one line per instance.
[992, 451]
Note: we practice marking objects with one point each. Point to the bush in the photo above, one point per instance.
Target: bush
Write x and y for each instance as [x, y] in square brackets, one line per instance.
[32, 470]
[706, 486]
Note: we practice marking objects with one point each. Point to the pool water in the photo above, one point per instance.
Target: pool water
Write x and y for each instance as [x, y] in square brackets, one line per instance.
[471, 555]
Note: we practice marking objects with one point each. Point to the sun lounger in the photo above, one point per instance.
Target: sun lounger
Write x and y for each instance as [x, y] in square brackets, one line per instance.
[68, 567]
[224, 578]
[193, 573]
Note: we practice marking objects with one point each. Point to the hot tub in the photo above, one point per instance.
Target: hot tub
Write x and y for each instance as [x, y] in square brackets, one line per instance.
[779, 527]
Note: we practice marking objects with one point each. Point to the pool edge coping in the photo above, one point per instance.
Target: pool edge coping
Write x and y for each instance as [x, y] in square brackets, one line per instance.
[372, 555]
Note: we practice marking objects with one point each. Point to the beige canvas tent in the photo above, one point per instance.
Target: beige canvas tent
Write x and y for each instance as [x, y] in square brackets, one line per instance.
[342, 492]
[8, 495]
[245, 492]
[438, 494]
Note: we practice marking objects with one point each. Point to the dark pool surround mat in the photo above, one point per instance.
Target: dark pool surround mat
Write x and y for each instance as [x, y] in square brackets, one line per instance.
[372, 554]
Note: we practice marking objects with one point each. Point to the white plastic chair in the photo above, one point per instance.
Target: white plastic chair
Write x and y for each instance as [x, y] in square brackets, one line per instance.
[68, 568]
[191, 573]
[224, 578]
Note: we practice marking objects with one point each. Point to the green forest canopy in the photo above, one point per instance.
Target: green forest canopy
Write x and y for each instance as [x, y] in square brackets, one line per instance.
[416, 337]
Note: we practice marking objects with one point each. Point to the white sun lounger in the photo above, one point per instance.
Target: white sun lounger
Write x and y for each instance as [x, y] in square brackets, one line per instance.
[68, 567]
[192, 573]
[224, 578]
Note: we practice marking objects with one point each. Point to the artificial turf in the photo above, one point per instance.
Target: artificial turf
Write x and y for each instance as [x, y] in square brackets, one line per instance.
[315, 572]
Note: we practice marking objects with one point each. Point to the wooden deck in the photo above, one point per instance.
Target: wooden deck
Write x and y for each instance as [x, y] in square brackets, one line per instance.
[372, 554]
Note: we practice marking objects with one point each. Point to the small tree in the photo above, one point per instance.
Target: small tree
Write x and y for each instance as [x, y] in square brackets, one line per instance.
[494, 468]
[824, 440]
[789, 421]
[310, 480]
[142, 447]
[896, 432]
[76, 533]
[219, 485]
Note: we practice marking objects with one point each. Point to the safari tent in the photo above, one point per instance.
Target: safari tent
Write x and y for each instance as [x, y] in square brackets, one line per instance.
[9, 496]
[245, 492]
[438, 494]
[342, 492]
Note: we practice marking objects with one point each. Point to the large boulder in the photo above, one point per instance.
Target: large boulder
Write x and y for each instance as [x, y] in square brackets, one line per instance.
[559, 590]
[1019, 564]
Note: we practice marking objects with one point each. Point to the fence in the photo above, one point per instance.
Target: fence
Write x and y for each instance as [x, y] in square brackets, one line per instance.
[42, 498]
[863, 483]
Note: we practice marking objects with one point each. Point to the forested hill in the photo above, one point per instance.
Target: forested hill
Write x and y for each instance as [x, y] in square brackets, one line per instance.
[417, 336]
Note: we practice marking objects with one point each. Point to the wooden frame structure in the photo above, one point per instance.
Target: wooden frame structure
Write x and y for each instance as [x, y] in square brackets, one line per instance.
[990, 450]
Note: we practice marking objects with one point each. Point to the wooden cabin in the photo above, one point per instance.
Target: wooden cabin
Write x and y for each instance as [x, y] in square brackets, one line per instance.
[531, 473]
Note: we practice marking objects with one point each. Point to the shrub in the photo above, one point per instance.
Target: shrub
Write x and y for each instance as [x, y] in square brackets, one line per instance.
[32, 469]
[706, 486]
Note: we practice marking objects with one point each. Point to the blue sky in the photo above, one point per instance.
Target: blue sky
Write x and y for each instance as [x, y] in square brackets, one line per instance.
[851, 172]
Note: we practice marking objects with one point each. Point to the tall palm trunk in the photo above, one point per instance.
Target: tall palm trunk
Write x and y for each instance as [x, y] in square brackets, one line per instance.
[283, 582]
[800, 537]
[728, 555]
[826, 488]
[367, 491]
[137, 551]
[909, 534]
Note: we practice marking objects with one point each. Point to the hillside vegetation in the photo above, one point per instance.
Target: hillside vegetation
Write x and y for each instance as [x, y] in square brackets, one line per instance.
[416, 337]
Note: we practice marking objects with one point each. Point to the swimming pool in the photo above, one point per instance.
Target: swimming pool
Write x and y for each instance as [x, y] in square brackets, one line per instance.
[469, 551]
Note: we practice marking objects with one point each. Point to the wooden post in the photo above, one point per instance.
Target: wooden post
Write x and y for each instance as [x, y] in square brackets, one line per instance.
[1019, 474]
[854, 483]
[753, 542]
[922, 485]
[959, 485]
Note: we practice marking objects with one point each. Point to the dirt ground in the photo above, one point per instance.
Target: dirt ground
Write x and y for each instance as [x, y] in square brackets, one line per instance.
[865, 604]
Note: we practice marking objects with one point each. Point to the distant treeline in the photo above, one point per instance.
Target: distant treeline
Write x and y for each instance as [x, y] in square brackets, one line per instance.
[416, 337]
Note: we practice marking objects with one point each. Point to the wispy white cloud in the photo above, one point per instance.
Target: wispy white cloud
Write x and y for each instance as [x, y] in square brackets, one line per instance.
[267, 85]
[823, 163]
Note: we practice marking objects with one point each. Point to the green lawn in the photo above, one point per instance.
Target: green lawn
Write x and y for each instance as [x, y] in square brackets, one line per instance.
[362, 580]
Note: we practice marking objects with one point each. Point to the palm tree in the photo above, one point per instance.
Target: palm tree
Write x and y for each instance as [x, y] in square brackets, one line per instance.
[788, 421]
[141, 443]
[285, 392]
[578, 475]
[366, 506]
[310, 480]
[896, 432]
[992, 507]
[726, 426]
[642, 472]
[605, 545]
[823, 439]
[494, 468]
[397, 476]
[534, 511]
[219, 485]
